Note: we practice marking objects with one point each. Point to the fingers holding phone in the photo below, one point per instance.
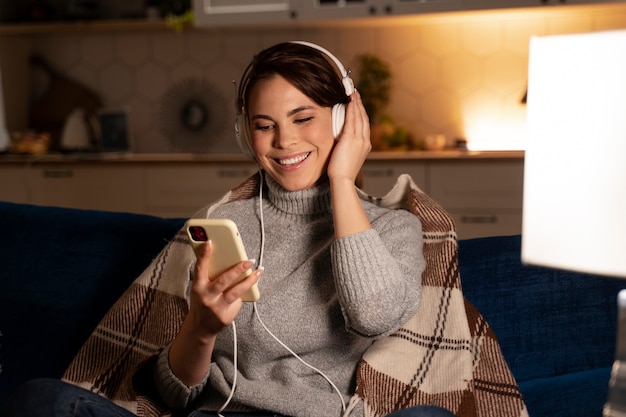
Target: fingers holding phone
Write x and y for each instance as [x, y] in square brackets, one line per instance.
[226, 251]
[215, 303]
[231, 284]
[223, 275]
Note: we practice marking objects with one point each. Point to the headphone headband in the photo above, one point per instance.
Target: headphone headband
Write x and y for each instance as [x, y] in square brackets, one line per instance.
[345, 74]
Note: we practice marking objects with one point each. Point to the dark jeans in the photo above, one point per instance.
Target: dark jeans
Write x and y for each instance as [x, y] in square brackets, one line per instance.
[54, 398]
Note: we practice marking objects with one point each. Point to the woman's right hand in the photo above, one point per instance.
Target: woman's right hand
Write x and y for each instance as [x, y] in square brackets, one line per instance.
[214, 304]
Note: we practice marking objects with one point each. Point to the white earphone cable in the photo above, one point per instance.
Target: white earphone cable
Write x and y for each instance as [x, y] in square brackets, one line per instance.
[261, 218]
[295, 355]
[256, 310]
[232, 388]
[256, 313]
[260, 265]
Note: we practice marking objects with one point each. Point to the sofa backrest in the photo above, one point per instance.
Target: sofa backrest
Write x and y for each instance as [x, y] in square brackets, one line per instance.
[60, 271]
[549, 322]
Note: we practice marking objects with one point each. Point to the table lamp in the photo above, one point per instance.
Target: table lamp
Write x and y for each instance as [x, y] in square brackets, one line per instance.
[574, 211]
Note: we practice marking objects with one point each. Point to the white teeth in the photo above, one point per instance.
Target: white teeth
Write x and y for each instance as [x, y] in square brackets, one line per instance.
[293, 160]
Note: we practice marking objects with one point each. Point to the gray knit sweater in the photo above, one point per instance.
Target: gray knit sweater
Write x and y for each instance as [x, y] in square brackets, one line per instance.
[326, 299]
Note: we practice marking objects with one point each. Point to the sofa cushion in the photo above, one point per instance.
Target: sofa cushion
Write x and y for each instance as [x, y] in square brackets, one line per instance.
[549, 322]
[60, 271]
[581, 393]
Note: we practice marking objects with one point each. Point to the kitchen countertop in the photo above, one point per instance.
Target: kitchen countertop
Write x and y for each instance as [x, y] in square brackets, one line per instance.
[112, 157]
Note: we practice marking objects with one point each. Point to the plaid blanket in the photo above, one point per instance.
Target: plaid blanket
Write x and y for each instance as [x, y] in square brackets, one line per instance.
[445, 355]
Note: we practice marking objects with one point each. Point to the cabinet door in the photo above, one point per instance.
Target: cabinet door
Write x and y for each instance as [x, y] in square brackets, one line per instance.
[401, 7]
[484, 197]
[13, 184]
[181, 190]
[110, 187]
[213, 13]
[337, 9]
[488, 222]
[380, 176]
[503, 4]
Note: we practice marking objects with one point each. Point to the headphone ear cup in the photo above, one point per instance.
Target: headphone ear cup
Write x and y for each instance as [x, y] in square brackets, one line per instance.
[338, 118]
[242, 136]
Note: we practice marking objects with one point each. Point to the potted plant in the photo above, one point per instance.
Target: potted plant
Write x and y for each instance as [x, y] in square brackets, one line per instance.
[374, 84]
[373, 80]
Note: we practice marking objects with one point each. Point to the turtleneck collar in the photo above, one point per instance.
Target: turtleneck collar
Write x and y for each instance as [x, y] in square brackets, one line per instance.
[306, 202]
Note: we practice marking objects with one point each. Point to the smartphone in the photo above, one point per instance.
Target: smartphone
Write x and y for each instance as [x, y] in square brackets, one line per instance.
[228, 248]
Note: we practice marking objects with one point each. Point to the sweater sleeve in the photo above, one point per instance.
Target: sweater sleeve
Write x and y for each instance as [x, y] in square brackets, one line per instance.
[174, 393]
[378, 274]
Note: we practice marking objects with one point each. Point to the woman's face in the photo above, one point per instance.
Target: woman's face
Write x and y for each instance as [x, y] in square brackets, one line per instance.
[291, 135]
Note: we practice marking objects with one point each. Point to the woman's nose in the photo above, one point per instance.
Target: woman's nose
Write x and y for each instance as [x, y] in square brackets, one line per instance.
[284, 138]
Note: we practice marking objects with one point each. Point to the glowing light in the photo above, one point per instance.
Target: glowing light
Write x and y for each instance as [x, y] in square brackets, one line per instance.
[483, 133]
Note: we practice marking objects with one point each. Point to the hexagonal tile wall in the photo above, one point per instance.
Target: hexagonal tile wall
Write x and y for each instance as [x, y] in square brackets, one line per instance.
[454, 74]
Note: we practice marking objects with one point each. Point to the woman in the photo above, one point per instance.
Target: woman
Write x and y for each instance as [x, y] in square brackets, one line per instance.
[339, 272]
[335, 272]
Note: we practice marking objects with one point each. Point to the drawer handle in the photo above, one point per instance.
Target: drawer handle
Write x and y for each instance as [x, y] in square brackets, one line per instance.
[378, 172]
[58, 173]
[479, 219]
[233, 173]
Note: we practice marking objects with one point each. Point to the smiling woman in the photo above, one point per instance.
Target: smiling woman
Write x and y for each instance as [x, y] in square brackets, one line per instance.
[330, 254]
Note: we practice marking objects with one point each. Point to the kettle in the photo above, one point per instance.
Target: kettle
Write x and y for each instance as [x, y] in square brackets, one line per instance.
[76, 134]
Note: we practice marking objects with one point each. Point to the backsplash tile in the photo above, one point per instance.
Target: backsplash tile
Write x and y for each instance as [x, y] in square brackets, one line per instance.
[131, 50]
[462, 75]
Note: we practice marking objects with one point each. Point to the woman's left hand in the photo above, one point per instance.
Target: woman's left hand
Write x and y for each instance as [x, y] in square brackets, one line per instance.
[353, 144]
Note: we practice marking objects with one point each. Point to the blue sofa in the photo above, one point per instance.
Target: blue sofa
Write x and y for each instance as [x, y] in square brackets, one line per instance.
[61, 269]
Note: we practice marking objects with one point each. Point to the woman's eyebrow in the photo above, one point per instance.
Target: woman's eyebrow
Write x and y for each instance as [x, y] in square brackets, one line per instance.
[289, 113]
[262, 116]
[299, 109]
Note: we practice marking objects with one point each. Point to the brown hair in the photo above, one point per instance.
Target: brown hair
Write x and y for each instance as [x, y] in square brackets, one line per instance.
[307, 68]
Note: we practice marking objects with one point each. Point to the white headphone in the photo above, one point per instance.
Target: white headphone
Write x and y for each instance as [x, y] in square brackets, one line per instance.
[242, 134]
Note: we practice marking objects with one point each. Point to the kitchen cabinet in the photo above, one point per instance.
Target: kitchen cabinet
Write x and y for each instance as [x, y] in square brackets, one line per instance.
[380, 176]
[316, 10]
[483, 197]
[408, 7]
[14, 184]
[158, 186]
[404, 7]
[482, 192]
[179, 190]
[219, 13]
[211, 13]
[503, 4]
[110, 187]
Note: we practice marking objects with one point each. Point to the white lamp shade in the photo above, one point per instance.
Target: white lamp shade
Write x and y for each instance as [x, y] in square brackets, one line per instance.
[574, 213]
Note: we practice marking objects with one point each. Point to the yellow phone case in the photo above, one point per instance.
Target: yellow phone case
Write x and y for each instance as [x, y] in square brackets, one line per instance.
[228, 248]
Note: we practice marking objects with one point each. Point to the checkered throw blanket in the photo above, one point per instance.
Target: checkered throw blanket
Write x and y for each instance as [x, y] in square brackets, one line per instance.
[445, 355]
